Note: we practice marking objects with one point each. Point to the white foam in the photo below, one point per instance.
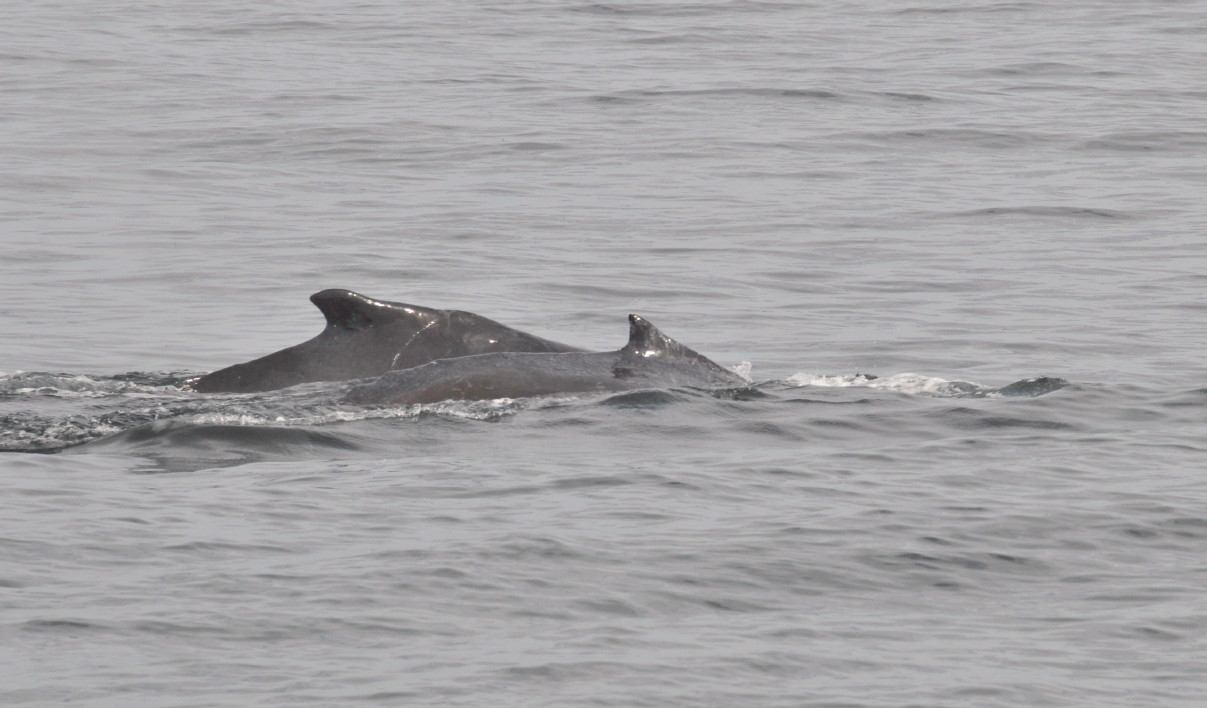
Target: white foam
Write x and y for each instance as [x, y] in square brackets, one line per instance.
[467, 410]
[901, 383]
[743, 369]
[77, 386]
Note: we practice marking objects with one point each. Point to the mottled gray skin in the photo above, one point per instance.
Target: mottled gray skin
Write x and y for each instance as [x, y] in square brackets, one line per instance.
[366, 337]
[649, 360]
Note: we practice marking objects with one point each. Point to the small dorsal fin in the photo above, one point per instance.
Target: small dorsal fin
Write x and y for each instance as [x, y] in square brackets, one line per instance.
[345, 309]
[646, 340]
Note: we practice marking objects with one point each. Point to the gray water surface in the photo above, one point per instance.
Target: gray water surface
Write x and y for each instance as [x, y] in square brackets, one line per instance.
[960, 245]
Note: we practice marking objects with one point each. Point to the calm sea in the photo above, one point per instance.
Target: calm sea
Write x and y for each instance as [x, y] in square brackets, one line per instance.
[962, 246]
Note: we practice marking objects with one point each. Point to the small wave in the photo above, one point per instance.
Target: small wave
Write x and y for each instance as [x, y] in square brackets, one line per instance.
[954, 138]
[765, 92]
[675, 9]
[1046, 211]
[932, 385]
[1152, 141]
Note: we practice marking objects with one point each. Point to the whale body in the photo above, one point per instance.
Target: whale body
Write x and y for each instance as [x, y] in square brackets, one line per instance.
[366, 337]
[649, 360]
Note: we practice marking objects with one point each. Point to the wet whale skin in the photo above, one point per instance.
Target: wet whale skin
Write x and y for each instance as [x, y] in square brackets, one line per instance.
[649, 360]
[366, 337]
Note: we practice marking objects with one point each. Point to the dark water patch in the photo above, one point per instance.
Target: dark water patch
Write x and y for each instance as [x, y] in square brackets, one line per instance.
[535, 548]
[677, 484]
[559, 673]
[217, 548]
[618, 608]
[1194, 29]
[1038, 68]
[671, 39]
[976, 8]
[534, 147]
[1047, 211]
[1170, 141]
[720, 604]
[590, 482]
[808, 93]
[70, 627]
[677, 9]
[385, 627]
[780, 472]
[392, 696]
[909, 96]
[1165, 534]
[839, 424]
[563, 421]
[767, 428]
[460, 493]
[160, 628]
[1154, 633]
[951, 138]
[1188, 527]
[745, 92]
[976, 419]
[614, 99]
[1196, 398]
[988, 562]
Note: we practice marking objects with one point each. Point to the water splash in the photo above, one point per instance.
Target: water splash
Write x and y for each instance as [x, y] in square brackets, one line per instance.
[743, 369]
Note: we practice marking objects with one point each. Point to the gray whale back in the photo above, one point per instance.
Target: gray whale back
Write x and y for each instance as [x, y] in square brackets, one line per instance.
[366, 337]
[650, 359]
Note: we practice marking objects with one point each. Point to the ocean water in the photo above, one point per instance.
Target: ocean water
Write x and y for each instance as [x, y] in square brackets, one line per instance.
[959, 248]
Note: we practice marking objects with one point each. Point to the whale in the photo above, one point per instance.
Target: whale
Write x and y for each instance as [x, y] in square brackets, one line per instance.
[365, 338]
[650, 360]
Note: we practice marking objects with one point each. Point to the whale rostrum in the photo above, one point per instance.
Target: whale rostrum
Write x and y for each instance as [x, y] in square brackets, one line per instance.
[366, 337]
[649, 360]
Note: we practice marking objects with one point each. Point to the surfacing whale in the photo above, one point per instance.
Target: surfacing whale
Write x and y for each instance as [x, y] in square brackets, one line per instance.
[366, 337]
[649, 360]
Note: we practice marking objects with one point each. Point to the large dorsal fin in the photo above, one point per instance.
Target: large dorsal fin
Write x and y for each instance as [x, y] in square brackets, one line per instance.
[646, 340]
[345, 309]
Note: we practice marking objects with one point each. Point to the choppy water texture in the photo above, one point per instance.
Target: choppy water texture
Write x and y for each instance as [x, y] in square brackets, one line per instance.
[961, 244]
